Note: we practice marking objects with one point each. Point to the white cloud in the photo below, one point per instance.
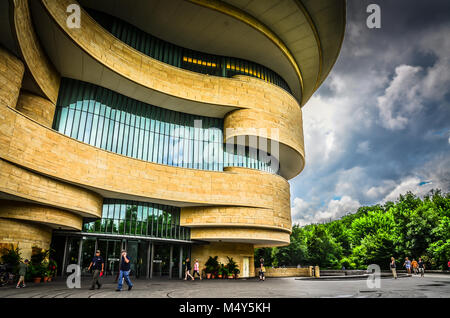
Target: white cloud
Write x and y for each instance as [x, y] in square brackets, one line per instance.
[309, 212]
[401, 98]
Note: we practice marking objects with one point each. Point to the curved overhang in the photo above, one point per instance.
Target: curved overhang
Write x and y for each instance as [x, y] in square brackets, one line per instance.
[79, 54]
[300, 40]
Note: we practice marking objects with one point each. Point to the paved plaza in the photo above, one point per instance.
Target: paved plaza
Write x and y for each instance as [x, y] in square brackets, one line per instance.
[433, 285]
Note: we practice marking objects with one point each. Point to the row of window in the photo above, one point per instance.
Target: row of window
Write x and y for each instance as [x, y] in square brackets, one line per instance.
[139, 218]
[111, 121]
[184, 58]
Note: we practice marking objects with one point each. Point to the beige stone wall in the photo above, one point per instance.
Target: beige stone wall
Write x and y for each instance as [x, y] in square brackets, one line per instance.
[42, 70]
[31, 145]
[25, 235]
[286, 272]
[11, 74]
[22, 183]
[235, 250]
[36, 107]
[55, 218]
[269, 104]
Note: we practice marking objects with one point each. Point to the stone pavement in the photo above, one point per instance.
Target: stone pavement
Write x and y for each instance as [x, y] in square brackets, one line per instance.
[432, 285]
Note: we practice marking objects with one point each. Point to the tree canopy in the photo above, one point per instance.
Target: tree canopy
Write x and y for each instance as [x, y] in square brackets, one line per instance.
[410, 227]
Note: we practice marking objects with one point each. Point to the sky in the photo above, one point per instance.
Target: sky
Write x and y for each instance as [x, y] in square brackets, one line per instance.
[379, 125]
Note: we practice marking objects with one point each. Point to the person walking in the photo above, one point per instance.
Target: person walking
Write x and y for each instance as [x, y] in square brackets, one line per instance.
[415, 266]
[187, 269]
[421, 266]
[407, 265]
[393, 267]
[98, 265]
[262, 269]
[196, 269]
[124, 267]
[22, 272]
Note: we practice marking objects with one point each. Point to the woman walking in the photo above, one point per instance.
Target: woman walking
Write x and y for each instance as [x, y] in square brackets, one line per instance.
[196, 269]
[187, 265]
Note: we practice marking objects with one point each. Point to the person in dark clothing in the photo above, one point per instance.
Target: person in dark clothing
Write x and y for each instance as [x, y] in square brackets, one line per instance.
[421, 265]
[187, 265]
[98, 265]
[125, 264]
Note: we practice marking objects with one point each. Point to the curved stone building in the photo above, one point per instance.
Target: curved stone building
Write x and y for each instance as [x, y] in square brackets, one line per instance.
[169, 128]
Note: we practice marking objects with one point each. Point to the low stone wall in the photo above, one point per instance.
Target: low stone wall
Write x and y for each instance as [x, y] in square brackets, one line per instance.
[286, 272]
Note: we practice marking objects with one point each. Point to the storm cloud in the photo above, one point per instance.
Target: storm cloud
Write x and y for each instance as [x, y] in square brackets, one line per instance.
[380, 124]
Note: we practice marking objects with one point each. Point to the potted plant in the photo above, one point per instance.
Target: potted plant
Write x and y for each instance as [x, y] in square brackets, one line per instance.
[220, 271]
[39, 265]
[212, 265]
[36, 272]
[231, 267]
[52, 266]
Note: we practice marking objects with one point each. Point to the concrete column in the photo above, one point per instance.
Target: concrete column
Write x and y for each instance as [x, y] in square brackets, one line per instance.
[180, 263]
[147, 275]
[80, 248]
[316, 271]
[170, 261]
[152, 254]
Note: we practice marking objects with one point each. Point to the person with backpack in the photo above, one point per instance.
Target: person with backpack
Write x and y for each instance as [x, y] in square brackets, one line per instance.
[262, 269]
[98, 265]
[22, 272]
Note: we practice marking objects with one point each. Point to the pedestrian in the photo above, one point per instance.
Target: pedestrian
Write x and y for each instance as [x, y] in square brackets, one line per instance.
[414, 266]
[448, 264]
[98, 265]
[421, 265]
[124, 267]
[261, 269]
[187, 269]
[196, 269]
[22, 272]
[407, 265]
[393, 267]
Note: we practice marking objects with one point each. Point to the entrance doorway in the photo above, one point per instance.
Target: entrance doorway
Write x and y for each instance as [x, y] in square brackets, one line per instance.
[245, 267]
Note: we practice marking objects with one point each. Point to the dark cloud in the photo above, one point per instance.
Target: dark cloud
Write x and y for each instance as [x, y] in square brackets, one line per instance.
[380, 124]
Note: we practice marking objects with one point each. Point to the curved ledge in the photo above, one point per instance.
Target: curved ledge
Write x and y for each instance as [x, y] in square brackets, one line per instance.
[42, 70]
[25, 184]
[11, 74]
[203, 217]
[257, 236]
[54, 218]
[243, 16]
[134, 74]
[283, 125]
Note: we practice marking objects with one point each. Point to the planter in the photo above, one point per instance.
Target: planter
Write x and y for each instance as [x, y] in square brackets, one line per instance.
[219, 276]
[230, 276]
[208, 276]
[213, 276]
[36, 279]
[45, 279]
[49, 279]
